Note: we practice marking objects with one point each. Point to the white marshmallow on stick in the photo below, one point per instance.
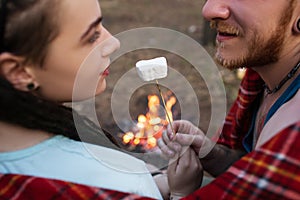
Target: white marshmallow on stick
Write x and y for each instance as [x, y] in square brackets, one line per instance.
[154, 69]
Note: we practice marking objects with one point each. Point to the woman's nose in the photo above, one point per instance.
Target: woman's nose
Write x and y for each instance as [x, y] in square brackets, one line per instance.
[111, 44]
[216, 9]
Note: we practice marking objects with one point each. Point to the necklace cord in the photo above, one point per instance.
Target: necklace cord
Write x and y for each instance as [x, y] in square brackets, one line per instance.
[283, 81]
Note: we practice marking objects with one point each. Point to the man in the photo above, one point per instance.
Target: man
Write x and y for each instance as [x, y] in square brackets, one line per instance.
[256, 155]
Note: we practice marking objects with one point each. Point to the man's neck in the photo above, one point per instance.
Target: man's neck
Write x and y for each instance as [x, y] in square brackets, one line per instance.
[14, 138]
[274, 73]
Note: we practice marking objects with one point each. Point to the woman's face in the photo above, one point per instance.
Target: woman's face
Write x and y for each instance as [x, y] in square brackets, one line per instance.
[78, 56]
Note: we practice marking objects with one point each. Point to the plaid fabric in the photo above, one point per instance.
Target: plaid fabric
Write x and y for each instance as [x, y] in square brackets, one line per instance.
[21, 187]
[269, 172]
[237, 121]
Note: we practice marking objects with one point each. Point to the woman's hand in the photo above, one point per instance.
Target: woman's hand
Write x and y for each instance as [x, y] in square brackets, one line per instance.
[185, 173]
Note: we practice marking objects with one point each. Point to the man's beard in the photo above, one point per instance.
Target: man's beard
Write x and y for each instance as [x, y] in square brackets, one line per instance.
[261, 51]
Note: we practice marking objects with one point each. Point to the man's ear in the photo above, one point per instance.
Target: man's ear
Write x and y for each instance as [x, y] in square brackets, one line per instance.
[296, 27]
[12, 68]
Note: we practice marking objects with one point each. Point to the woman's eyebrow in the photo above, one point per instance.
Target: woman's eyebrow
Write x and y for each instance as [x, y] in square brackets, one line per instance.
[91, 26]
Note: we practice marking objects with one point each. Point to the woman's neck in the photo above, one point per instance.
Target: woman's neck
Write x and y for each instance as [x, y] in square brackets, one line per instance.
[14, 137]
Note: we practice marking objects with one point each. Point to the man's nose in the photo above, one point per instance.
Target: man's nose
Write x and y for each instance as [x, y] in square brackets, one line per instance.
[216, 9]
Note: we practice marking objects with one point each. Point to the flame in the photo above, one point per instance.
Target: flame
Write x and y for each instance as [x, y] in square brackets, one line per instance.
[136, 141]
[150, 125]
[127, 137]
[169, 104]
[142, 119]
[151, 142]
[153, 106]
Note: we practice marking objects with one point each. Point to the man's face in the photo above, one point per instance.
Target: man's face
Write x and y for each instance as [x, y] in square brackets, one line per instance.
[249, 35]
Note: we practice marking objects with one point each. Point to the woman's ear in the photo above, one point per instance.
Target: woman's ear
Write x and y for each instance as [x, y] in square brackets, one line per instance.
[12, 68]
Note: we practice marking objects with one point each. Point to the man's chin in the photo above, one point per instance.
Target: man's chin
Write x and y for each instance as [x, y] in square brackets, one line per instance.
[230, 64]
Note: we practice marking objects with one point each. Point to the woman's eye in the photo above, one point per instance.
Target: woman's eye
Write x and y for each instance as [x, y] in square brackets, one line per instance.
[94, 37]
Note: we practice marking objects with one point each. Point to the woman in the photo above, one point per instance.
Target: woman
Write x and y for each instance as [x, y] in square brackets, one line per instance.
[43, 44]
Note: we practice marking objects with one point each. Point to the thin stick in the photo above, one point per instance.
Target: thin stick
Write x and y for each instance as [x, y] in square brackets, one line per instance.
[165, 107]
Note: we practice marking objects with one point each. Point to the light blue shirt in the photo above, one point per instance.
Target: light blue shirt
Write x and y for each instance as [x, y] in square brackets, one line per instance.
[69, 160]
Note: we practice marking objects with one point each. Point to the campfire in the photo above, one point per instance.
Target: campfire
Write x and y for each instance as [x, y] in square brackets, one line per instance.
[149, 127]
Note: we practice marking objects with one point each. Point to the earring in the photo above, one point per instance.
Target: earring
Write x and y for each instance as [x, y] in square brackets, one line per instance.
[298, 25]
[30, 86]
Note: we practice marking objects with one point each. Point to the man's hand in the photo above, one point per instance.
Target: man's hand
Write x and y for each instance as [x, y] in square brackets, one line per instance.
[215, 158]
[186, 135]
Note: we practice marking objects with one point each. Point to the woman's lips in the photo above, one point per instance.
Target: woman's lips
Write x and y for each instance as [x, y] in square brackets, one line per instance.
[105, 72]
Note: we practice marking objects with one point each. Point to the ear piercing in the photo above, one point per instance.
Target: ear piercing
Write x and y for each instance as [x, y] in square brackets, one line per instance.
[30, 86]
[298, 25]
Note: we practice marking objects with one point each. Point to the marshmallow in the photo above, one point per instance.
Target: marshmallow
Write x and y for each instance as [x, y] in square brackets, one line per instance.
[152, 69]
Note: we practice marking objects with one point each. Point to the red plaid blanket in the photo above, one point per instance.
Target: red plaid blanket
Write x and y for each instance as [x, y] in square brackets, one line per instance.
[20, 187]
[238, 120]
[269, 172]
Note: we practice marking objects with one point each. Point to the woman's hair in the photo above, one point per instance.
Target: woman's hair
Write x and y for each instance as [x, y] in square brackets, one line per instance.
[29, 111]
[30, 26]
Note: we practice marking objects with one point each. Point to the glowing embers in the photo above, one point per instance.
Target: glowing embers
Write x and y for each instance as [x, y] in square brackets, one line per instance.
[149, 126]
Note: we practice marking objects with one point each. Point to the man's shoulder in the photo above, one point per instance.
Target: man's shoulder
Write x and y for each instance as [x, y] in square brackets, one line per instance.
[287, 115]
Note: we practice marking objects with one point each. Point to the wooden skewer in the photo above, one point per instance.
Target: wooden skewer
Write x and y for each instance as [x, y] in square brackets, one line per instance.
[165, 107]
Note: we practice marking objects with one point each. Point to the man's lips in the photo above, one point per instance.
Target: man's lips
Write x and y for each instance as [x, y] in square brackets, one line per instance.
[224, 36]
